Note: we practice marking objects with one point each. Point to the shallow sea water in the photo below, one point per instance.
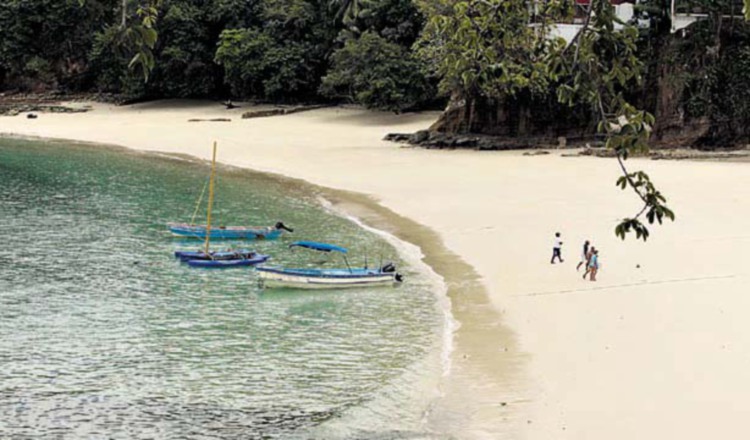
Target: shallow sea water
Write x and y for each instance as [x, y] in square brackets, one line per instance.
[105, 335]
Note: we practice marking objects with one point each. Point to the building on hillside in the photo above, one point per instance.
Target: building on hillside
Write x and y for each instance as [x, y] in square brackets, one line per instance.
[682, 14]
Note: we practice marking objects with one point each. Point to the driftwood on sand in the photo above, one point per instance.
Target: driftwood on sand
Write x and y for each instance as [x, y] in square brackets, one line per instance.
[281, 111]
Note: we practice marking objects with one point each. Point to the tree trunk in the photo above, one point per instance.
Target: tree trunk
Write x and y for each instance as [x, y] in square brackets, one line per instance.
[124, 12]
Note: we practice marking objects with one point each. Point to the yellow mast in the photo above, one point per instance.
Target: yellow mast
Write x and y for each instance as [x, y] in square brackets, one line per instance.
[210, 198]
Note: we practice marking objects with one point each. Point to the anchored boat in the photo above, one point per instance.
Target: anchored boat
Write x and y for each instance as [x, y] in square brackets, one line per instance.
[320, 278]
[218, 259]
[234, 262]
[228, 232]
[191, 230]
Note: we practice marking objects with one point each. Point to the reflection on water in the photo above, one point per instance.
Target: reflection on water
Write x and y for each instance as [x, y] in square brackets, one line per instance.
[106, 336]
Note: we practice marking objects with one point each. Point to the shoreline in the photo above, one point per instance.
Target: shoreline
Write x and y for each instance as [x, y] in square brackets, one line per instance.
[579, 364]
[476, 322]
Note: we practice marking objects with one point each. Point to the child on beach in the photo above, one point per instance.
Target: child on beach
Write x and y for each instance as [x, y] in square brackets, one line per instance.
[584, 255]
[557, 248]
[594, 265]
[587, 260]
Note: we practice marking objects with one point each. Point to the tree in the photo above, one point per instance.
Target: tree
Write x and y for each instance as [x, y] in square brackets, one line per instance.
[283, 56]
[486, 48]
[376, 73]
[184, 58]
[602, 66]
[135, 33]
[44, 43]
[495, 50]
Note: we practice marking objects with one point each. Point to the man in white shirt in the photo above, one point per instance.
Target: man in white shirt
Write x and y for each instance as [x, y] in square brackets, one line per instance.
[557, 248]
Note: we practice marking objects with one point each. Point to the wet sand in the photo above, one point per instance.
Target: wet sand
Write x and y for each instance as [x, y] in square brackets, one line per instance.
[659, 347]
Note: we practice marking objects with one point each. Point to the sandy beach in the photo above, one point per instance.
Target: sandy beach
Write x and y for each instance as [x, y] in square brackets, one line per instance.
[657, 348]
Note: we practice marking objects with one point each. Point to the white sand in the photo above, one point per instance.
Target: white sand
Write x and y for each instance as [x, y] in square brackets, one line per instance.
[656, 352]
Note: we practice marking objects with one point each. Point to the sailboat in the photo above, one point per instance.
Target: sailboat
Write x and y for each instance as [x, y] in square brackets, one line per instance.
[191, 230]
[218, 259]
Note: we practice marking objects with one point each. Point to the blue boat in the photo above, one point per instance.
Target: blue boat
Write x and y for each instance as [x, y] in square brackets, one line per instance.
[192, 230]
[235, 262]
[218, 259]
[320, 278]
[215, 255]
[228, 232]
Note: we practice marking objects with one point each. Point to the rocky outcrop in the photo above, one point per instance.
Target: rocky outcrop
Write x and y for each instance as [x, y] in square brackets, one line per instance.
[439, 140]
[17, 109]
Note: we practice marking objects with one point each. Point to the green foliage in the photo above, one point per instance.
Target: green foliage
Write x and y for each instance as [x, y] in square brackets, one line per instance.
[376, 73]
[488, 47]
[497, 50]
[136, 32]
[258, 66]
[710, 69]
[601, 65]
[398, 21]
[241, 52]
[140, 37]
[109, 66]
[43, 43]
[281, 57]
[264, 49]
[184, 59]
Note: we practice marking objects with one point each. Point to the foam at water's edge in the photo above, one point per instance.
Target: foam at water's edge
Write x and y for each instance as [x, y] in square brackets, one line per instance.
[414, 255]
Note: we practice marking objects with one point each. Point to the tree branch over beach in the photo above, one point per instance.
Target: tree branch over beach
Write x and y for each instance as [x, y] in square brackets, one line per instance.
[604, 64]
[135, 34]
[495, 49]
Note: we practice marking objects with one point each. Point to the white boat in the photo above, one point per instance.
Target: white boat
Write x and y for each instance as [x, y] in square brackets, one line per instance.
[271, 276]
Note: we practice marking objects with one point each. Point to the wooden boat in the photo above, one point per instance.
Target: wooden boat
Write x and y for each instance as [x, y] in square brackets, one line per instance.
[228, 232]
[231, 254]
[319, 278]
[218, 259]
[191, 230]
[234, 262]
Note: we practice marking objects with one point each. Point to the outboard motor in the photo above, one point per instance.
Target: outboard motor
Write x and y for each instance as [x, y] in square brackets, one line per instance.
[399, 278]
[388, 268]
[280, 225]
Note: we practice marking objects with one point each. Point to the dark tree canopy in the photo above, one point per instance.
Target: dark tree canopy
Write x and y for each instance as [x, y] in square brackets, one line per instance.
[494, 59]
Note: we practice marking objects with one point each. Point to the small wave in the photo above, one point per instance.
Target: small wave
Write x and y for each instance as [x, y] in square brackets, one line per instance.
[414, 256]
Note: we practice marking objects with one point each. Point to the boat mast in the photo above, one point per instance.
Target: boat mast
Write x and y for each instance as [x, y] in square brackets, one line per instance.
[210, 199]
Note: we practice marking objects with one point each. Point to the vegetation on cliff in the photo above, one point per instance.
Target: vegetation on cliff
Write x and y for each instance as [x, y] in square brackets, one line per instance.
[493, 60]
[500, 63]
[273, 50]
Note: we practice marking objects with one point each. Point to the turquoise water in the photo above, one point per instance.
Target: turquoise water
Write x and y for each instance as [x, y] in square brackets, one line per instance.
[105, 335]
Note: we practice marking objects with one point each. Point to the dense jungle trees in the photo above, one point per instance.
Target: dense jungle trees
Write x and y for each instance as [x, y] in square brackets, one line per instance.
[276, 50]
[494, 59]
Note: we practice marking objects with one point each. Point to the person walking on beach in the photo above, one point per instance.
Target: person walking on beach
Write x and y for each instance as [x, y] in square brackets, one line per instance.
[584, 255]
[587, 260]
[557, 248]
[594, 265]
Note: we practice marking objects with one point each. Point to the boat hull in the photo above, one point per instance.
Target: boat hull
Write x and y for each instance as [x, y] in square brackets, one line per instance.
[222, 264]
[323, 278]
[225, 233]
[216, 255]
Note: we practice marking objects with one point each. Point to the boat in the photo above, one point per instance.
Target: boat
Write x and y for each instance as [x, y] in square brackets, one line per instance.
[320, 278]
[229, 254]
[234, 262]
[191, 230]
[228, 232]
[218, 259]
